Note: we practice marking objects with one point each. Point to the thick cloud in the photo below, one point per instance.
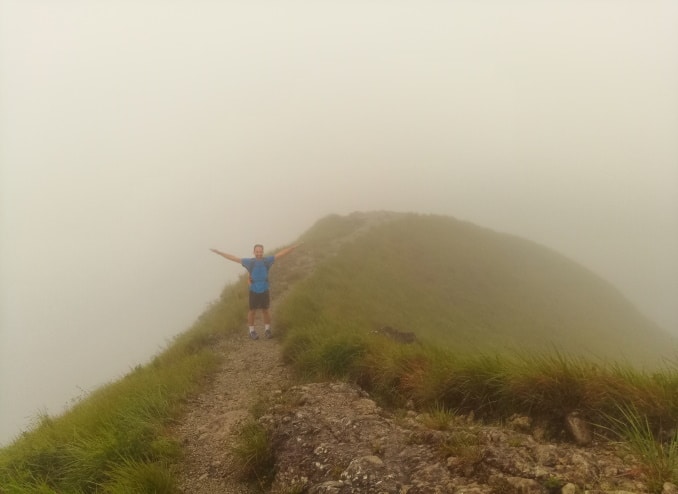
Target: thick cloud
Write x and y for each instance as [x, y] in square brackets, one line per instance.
[136, 135]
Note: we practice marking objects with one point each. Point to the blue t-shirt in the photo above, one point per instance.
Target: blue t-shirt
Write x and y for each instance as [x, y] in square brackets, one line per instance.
[258, 269]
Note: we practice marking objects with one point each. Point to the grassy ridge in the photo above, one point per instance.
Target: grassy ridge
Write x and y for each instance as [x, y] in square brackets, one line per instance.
[638, 408]
[470, 288]
[370, 270]
[493, 385]
[473, 298]
[115, 440]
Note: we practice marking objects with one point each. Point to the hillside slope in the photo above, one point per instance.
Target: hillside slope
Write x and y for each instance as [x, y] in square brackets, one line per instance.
[332, 436]
[452, 283]
[457, 284]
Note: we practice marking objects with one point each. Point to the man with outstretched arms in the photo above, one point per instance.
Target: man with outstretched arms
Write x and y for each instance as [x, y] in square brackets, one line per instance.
[260, 299]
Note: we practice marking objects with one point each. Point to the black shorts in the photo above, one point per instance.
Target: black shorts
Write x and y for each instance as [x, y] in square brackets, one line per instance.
[260, 300]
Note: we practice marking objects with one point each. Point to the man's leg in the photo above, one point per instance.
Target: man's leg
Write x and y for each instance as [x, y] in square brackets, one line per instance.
[267, 323]
[250, 323]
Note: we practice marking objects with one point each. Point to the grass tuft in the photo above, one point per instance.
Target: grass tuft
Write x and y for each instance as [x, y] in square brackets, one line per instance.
[139, 477]
[439, 417]
[253, 453]
[657, 457]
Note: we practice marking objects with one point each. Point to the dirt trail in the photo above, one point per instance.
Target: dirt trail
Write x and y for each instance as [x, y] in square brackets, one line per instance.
[251, 369]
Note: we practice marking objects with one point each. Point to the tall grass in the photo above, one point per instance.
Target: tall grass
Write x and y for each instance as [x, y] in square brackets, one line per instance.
[253, 453]
[467, 316]
[472, 297]
[659, 455]
[116, 439]
[492, 386]
[545, 387]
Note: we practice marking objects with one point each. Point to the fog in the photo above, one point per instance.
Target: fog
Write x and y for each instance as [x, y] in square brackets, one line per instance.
[134, 136]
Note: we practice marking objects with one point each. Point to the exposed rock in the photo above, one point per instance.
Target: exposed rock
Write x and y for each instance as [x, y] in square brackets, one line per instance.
[669, 488]
[397, 335]
[337, 440]
[578, 428]
[520, 423]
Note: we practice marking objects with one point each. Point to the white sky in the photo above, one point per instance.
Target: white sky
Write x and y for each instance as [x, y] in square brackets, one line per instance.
[134, 135]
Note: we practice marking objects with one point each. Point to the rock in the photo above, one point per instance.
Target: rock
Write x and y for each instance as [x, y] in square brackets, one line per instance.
[578, 428]
[569, 489]
[330, 487]
[520, 423]
[518, 485]
[338, 441]
[669, 488]
[396, 335]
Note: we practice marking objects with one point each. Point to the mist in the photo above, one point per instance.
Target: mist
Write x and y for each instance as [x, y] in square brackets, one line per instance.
[134, 136]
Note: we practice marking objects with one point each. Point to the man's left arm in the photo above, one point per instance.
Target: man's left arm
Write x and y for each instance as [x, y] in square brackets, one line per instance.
[286, 251]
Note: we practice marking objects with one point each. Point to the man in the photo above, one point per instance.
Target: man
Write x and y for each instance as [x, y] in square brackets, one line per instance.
[260, 298]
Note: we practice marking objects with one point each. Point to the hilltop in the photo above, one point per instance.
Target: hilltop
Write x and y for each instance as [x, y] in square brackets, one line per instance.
[473, 289]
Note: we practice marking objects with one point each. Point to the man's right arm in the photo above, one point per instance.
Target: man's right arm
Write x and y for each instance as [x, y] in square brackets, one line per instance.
[230, 257]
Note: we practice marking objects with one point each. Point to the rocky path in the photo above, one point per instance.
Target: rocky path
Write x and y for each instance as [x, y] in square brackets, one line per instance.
[251, 369]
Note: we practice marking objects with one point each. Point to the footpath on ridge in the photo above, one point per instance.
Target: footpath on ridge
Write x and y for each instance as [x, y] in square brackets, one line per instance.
[335, 439]
[251, 369]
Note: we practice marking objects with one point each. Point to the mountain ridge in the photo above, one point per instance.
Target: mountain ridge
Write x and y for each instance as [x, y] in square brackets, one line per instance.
[333, 437]
[476, 288]
[176, 422]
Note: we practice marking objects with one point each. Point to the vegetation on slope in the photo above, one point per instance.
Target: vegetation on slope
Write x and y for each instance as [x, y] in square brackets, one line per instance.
[115, 440]
[466, 293]
[465, 290]
[469, 288]
[469, 294]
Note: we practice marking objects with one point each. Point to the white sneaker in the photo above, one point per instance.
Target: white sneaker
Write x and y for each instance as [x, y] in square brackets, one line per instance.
[254, 335]
[268, 334]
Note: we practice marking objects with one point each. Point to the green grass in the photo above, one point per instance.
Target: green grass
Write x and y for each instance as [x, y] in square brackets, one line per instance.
[116, 439]
[659, 455]
[503, 327]
[253, 454]
[465, 446]
[469, 288]
[494, 387]
[446, 281]
[439, 417]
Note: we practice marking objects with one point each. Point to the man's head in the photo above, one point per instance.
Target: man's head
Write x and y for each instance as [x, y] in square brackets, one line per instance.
[258, 251]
